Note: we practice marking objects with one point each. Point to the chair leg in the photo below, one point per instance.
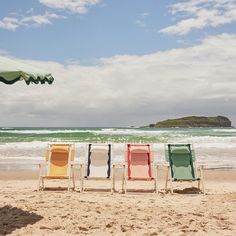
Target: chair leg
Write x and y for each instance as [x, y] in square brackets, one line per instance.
[68, 185]
[171, 188]
[112, 190]
[167, 178]
[202, 179]
[156, 177]
[113, 179]
[43, 186]
[82, 185]
[123, 180]
[155, 185]
[40, 178]
[170, 179]
[124, 187]
[81, 179]
[203, 187]
[39, 183]
[111, 182]
[73, 179]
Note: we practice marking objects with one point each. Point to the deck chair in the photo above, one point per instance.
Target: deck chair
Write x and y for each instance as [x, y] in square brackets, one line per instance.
[98, 164]
[181, 158]
[58, 164]
[139, 165]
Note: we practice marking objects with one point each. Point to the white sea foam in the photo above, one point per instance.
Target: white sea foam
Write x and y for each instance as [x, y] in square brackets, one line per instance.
[205, 139]
[230, 130]
[102, 131]
[212, 148]
[211, 154]
[170, 133]
[35, 131]
[131, 132]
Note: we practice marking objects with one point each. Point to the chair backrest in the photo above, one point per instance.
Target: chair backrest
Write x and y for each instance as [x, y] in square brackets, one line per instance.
[181, 159]
[99, 161]
[58, 159]
[139, 161]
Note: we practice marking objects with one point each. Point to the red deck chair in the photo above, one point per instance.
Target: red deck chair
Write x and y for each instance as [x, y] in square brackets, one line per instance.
[139, 164]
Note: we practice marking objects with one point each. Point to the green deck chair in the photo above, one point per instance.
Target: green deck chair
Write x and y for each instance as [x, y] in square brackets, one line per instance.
[181, 158]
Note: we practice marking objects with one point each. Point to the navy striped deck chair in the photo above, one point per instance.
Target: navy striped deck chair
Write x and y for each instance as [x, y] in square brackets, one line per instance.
[98, 163]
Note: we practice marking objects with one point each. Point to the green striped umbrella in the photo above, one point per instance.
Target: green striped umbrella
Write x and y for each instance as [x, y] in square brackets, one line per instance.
[12, 71]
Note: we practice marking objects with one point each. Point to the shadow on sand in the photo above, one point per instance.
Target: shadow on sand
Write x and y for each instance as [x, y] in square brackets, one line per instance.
[60, 189]
[12, 218]
[191, 190]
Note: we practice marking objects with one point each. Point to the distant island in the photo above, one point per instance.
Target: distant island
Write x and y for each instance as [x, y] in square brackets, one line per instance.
[193, 122]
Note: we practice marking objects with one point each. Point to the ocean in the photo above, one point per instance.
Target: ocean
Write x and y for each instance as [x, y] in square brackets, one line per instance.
[24, 148]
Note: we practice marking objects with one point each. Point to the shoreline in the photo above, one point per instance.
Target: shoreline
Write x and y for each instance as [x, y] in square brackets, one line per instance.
[28, 155]
[209, 174]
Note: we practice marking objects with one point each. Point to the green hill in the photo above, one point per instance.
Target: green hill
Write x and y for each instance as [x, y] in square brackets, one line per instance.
[194, 121]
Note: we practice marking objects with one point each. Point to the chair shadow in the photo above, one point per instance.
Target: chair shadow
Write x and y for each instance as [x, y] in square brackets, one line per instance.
[130, 190]
[12, 218]
[191, 190]
[57, 189]
[99, 190]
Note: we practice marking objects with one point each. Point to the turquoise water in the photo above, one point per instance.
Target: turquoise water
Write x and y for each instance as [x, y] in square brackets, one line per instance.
[22, 148]
[118, 135]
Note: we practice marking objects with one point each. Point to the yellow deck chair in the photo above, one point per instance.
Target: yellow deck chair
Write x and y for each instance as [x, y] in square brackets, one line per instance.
[58, 164]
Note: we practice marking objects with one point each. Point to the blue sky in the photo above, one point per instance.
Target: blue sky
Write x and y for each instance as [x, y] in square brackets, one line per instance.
[130, 41]
[107, 29]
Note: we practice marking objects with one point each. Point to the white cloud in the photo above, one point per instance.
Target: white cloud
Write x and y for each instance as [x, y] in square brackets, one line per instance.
[9, 23]
[30, 11]
[141, 22]
[130, 90]
[198, 14]
[75, 6]
[32, 20]
[40, 19]
[12, 23]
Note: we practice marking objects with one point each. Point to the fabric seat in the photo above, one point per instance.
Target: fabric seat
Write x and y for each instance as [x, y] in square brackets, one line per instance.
[139, 164]
[98, 164]
[58, 164]
[182, 167]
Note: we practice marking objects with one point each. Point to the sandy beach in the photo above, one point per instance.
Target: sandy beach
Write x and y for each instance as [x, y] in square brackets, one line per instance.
[139, 87]
[24, 211]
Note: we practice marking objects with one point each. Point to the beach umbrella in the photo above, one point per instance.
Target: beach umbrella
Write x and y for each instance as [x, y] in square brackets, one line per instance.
[12, 71]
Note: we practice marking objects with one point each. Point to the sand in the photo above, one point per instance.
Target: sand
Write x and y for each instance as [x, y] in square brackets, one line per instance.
[24, 211]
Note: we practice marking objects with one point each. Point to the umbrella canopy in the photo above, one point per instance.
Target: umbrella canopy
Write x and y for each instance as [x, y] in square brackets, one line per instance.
[12, 71]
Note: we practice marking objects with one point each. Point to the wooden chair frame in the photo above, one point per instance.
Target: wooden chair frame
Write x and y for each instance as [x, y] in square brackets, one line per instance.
[43, 169]
[154, 171]
[84, 178]
[198, 170]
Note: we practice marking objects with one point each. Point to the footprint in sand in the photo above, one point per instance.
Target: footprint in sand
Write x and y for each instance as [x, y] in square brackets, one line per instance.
[83, 228]
[109, 225]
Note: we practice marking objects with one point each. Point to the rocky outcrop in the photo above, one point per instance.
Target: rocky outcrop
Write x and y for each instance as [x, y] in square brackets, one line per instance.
[194, 121]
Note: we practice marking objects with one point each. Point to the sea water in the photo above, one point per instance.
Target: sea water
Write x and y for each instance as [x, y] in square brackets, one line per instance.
[23, 148]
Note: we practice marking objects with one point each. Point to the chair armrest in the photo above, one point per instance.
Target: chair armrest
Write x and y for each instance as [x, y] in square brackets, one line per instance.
[157, 164]
[121, 165]
[200, 168]
[41, 165]
[75, 165]
[42, 168]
